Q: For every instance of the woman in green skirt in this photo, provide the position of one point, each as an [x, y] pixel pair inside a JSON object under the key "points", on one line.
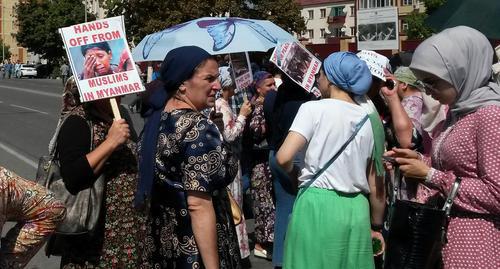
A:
{"points": [[340, 204]]}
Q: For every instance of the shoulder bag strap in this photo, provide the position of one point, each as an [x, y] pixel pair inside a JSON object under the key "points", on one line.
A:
{"points": [[53, 140], [451, 196], [53, 143], [353, 135]]}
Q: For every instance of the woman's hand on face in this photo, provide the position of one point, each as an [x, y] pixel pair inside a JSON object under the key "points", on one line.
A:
{"points": [[386, 91], [118, 133], [88, 67], [246, 108], [413, 168]]}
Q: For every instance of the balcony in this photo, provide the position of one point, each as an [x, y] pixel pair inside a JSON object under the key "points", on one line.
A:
{"points": [[336, 19]]}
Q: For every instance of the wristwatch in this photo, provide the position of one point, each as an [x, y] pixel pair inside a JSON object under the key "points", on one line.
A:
{"points": [[377, 227]]}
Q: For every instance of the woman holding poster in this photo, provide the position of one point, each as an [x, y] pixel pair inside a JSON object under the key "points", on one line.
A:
{"points": [[118, 238], [185, 168]]}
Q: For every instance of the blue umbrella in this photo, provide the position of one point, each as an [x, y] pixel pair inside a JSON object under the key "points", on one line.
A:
{"points": [[217, 35]]}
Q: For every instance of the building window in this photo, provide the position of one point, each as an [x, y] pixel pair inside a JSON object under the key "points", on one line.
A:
{"points": [[338, 11], [322, 32], [311, 14], [375, 3], [337, 32], [323, 13], [353, 31], [404, 27], [407, 2], [311, 33], [353, 11]]}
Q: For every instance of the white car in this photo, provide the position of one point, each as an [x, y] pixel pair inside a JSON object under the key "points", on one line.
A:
{"points": [[26, 70]]}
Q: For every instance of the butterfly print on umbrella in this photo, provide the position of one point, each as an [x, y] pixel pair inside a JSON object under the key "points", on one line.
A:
{"points": [[222, 31]]}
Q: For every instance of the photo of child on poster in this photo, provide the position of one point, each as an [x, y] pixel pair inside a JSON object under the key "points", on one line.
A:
{"points": [[101, 59]]}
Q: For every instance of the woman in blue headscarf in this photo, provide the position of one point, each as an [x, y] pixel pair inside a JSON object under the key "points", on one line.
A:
{"points": [[337, 201], [185, 168]]}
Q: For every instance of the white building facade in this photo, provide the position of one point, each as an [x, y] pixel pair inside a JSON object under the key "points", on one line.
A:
{"points": [[326, 19]]}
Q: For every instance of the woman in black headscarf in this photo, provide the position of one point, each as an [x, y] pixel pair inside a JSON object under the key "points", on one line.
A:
{"points": [[185, 168]]}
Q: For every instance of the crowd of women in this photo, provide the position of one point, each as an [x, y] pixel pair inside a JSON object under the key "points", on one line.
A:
{"points": [[317, 169]]}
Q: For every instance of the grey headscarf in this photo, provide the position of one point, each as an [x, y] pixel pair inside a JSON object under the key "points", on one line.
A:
{"points": [[461, 56]]}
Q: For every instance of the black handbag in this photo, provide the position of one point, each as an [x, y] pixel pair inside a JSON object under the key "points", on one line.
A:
{"points": [[83, 208], [417, 231]]}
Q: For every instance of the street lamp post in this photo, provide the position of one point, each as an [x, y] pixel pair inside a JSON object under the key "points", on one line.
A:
{"points": [[3, 35], [85, 7]]}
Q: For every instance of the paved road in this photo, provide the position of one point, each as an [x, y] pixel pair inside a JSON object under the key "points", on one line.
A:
{"points": [[29, 111]]}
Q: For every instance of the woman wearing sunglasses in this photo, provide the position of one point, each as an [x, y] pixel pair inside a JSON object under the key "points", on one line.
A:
{"points": [[454, 66]]}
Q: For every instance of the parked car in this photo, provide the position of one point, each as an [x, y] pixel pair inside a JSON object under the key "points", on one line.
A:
{"points": [[43, 70], [27, 70]]}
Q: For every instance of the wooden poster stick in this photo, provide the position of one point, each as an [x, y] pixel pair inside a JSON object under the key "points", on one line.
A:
{"points": [[114, 107]]}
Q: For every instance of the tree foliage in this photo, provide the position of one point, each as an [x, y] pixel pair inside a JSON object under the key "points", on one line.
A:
{"points": [[432, 5], [417, 29], [6, 51], [143, 17], [39, 20]]}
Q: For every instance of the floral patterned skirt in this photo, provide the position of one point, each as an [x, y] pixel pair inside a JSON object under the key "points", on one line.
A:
{"points": [[263, 205]]}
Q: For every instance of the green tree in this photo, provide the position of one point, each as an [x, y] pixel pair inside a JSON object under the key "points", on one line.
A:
{"points": [[143, 17], [39, 21], [417, 29], [6, 51]]}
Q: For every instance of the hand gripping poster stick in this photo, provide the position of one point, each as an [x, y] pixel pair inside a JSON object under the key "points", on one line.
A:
{"points": [[114, 107]]}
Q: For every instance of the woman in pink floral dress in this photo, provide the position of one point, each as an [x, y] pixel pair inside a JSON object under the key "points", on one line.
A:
{"points": [[455, 68], [232, 131]]}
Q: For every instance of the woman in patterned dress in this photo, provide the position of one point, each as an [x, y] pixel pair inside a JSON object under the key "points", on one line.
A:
{"points": [[117, 240], [261, 180], [185, 168], [232, 131], [455, 68], [37, 213]]}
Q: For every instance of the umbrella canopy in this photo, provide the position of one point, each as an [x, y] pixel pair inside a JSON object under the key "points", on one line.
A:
{"points": [[218, 35], [478, 14]]}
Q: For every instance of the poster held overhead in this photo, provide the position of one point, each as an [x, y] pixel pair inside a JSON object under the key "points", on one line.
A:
{"points": [[101, 60], [297, 63], [241, 72]]}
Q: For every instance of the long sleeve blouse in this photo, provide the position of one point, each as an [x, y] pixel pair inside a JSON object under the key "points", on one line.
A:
{"points": [[233, 125], [470, 149]]}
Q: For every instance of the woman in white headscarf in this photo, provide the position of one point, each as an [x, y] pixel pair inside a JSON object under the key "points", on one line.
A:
{"points": [[455, 68], [232, 131]]}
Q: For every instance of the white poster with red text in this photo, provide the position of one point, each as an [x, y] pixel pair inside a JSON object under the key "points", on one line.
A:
{"points": [[297, 62], [100, 59]]}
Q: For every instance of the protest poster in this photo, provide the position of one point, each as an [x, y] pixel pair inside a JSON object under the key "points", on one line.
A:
{"points": [[378, 28], [242, 72], [100, 59], [298, 63], [376, 62]]}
